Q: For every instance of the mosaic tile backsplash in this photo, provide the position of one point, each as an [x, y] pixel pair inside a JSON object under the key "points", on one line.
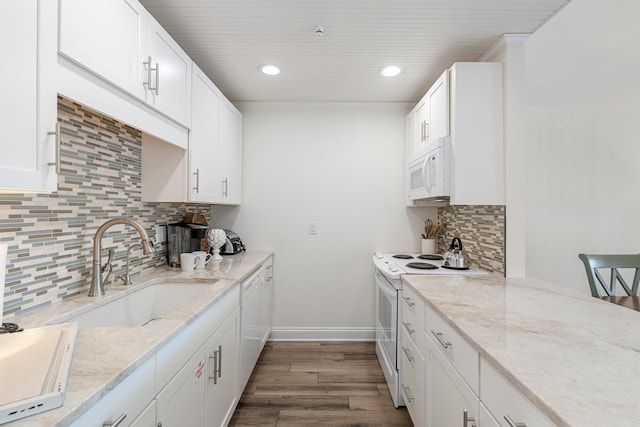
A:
{"points": [[482, 231], [50, 236]]}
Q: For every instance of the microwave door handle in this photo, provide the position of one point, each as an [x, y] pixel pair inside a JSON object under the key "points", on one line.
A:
{"points": [[426, 176]]}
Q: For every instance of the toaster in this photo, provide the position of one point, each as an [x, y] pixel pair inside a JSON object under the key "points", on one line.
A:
{"points": [[233, 245]]}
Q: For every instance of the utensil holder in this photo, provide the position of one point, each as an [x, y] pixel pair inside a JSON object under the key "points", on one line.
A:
{"points": [[428, 246]]}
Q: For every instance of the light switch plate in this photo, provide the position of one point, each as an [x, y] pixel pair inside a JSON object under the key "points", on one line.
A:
{"points": [[161, 233], [313, 227]]}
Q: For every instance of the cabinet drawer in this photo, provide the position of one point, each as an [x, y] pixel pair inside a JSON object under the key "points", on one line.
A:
{"points": [[414, 304], [412, 390], [455, 348], [412, 357], [502, 399]]}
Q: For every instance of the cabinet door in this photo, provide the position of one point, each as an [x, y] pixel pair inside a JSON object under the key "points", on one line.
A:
{"points": [[181, 401], [147, 418], [168, 75], [438, 100], [204, 139], [231, 154], [448, 396], [421, 123], [267, 295], [28, 111], [109, 38], [222, 373]]}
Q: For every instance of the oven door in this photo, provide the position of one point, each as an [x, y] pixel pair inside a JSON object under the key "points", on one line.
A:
{"points": [[387, 335]]}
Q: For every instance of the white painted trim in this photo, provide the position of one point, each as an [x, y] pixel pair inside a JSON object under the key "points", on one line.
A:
{"points": [[322, 334], [507, 40]]}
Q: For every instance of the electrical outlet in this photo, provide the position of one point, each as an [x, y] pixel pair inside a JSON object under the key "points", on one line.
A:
{"points": [[161, 233], [313, 227]]}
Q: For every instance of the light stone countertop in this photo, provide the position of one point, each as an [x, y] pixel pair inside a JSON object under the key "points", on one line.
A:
{"points": [[574, 356], [104, 357]]}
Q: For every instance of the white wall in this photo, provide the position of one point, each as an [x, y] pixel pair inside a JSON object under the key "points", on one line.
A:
{"points": [[341, 165], [583, 147]]}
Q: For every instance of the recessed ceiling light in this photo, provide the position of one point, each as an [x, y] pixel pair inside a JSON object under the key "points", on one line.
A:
{"points": [[391, 71], [270, 70]]}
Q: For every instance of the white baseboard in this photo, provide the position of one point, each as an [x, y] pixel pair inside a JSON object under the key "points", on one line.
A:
{"points": [[322, 334]]}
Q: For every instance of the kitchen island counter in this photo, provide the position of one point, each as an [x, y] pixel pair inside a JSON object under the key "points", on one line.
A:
{"points": [[577, 358], [105, 356]]}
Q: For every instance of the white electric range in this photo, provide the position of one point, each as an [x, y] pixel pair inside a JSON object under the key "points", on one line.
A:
{"points": [[389, 270]]}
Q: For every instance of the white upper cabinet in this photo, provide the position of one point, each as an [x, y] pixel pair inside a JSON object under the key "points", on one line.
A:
{"points": [[120, 42], [230, 165], [204, 140], [430, 117], [168, 69], [477, 147], [107, 37], [28, 106], [466, 104]]}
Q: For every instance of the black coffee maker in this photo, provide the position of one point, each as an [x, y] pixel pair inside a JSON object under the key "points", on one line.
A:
{"points": [[181, 238]]}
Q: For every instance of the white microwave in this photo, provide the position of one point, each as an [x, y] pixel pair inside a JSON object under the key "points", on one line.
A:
{"points": [[429, 172]]}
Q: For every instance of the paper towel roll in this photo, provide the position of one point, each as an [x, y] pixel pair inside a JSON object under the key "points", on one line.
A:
{"points": [[3, 267]]}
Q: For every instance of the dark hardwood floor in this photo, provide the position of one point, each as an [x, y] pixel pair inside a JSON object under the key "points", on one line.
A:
{"points": [[318, 383]]}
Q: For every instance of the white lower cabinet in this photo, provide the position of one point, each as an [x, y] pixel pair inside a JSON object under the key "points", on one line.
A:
{"points": [[181, 401], [221, 394], [450, 401], [507, 405]]}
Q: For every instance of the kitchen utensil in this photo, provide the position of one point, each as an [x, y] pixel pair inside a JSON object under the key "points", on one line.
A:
{"points": [[428, 226]]}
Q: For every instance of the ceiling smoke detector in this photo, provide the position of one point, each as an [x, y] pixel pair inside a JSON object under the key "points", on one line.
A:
{"points": [[319, 31]]}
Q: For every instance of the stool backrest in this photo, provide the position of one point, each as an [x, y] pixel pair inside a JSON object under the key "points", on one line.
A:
{"points": [[593, 263]]}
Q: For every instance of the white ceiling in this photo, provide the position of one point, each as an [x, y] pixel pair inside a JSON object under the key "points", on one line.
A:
{"points": [[229, 39]]}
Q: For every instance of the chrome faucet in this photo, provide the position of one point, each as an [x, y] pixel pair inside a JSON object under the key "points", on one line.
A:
{"points": [[101, 274]]}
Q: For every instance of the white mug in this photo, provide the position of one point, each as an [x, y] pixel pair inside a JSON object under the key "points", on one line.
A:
{"points": [[189, 261], [204, 259]]}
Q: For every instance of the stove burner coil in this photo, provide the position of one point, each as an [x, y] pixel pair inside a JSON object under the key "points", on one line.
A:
{"points": [[402, 256], [422, 265], [431, 257], [9, 328]]}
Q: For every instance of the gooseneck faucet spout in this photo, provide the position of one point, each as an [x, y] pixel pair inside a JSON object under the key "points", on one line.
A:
{"points": [[101, 274]]}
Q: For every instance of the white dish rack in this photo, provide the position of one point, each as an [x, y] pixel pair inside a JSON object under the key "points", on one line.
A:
{"points": [[34, 368]]}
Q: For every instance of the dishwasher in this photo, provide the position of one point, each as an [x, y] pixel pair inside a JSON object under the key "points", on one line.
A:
{"points": [[250, 326]]}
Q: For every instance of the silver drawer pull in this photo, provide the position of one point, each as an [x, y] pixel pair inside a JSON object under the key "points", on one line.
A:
{"points": [[409, 397], [407, 353], [466, 419], [407, 326], [115, 423], [511, 423], [408, 301], [56, 162], [442, 342]]}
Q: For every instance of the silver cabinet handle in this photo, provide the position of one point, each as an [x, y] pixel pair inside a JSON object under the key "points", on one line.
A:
{"points": [[511, 423], [442, 342], [225, 192], [149, 71], [466, 419], [407, 353], [197, 175], [426, 130], [407, 326], [115, 423], [219, 361], [214, 375], [406, 391], [408, 301], [56, 133]]}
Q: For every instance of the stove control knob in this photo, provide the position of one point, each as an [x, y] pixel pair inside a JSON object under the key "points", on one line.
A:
{"points": [[393, 268], [379, 255]]}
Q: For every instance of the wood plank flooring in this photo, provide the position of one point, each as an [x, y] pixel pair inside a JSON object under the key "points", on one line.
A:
{"points": [[318, 384]]}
